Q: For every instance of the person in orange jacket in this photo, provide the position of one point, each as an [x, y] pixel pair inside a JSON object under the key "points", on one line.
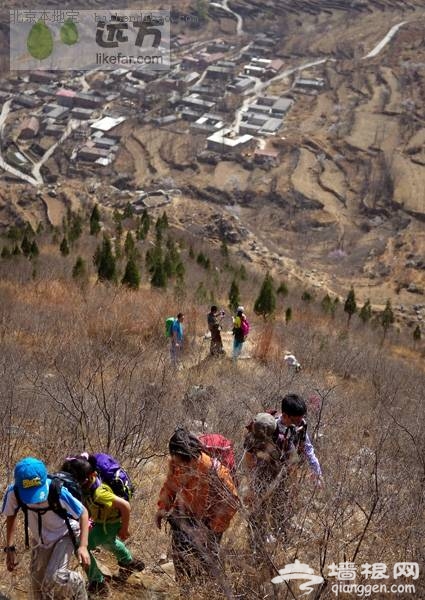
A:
{"points": [[198, 499]]}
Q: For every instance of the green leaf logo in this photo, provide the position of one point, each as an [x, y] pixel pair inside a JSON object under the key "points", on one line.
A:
{"points": [[69, 33], [40, 41]]}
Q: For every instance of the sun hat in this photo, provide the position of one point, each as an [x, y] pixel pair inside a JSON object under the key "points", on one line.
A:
{"points": [[31, 480], [264, 423]]}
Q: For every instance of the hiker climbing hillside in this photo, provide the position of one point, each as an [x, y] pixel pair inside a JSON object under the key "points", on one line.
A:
{"points": [[58, 524], [177, 335], [274, 448], [214, 321], [198, 499], [294, 440], [240, 331], [110, 514]]}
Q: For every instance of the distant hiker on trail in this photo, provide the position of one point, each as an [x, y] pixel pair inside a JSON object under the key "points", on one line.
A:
{"points": [[177, 334], [240, 331], [110, 515], [214, 319], [198, 499], [292, 361], [51, 543]]}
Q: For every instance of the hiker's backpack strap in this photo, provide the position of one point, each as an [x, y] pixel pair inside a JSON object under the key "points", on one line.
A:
{"points": [[53, 499], [25, 508]]}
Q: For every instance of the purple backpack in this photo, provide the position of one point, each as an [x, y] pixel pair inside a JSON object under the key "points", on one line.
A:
{"points": [[244, 327], [112, 473]]}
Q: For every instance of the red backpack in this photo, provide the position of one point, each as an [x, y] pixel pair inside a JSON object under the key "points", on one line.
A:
{"points": [[219, 447]]}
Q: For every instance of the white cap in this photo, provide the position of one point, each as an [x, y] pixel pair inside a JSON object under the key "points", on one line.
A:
{"points": [[240, 308]]}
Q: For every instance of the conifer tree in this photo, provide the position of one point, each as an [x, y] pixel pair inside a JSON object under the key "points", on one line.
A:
{"points": [[5, 252], [159, 277], [128, 211], [75, 227], [201, 293], [95, 220], [365, 313], [34, 252], [107, 267], [79, 268], [306, 296], [417, 334], [131, 276], [387, 317], [288, 314], [326, 304], [282, 290], [191, 252], [16, 250], [224, 249], [64, 247], [129, 245], [234, 296], [164, 220], [242, 273], [350, 306], [26, 246], [265, 305], [117, 218], [144, 227]]}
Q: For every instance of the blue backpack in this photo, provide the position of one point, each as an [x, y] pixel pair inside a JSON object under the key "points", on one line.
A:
{"points": [[112, 473]]}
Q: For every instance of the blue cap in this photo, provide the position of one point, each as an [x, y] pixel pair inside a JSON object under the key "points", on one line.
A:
{"points": [[31, 480]]}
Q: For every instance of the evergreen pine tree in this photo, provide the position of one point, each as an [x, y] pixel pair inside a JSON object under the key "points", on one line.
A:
{"points": [[129, 245], [34, 252], [95, 220], [128, 211], [26, 246], [288, 314], [79, 268], [201, 294], [107, 268], [164, 220], [234, 296], [131, 276], [326, 304], [75, 227], [145, 223], [387, 317], [365, 313], [117, 218], [64, 247], [191, 252], [16, 250], [306, 296], [282, 290], [224, 249], [265, 304], [159, 277], [5, 252], [350, 306], [417, 334], [242, 273], [180, 270]]}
